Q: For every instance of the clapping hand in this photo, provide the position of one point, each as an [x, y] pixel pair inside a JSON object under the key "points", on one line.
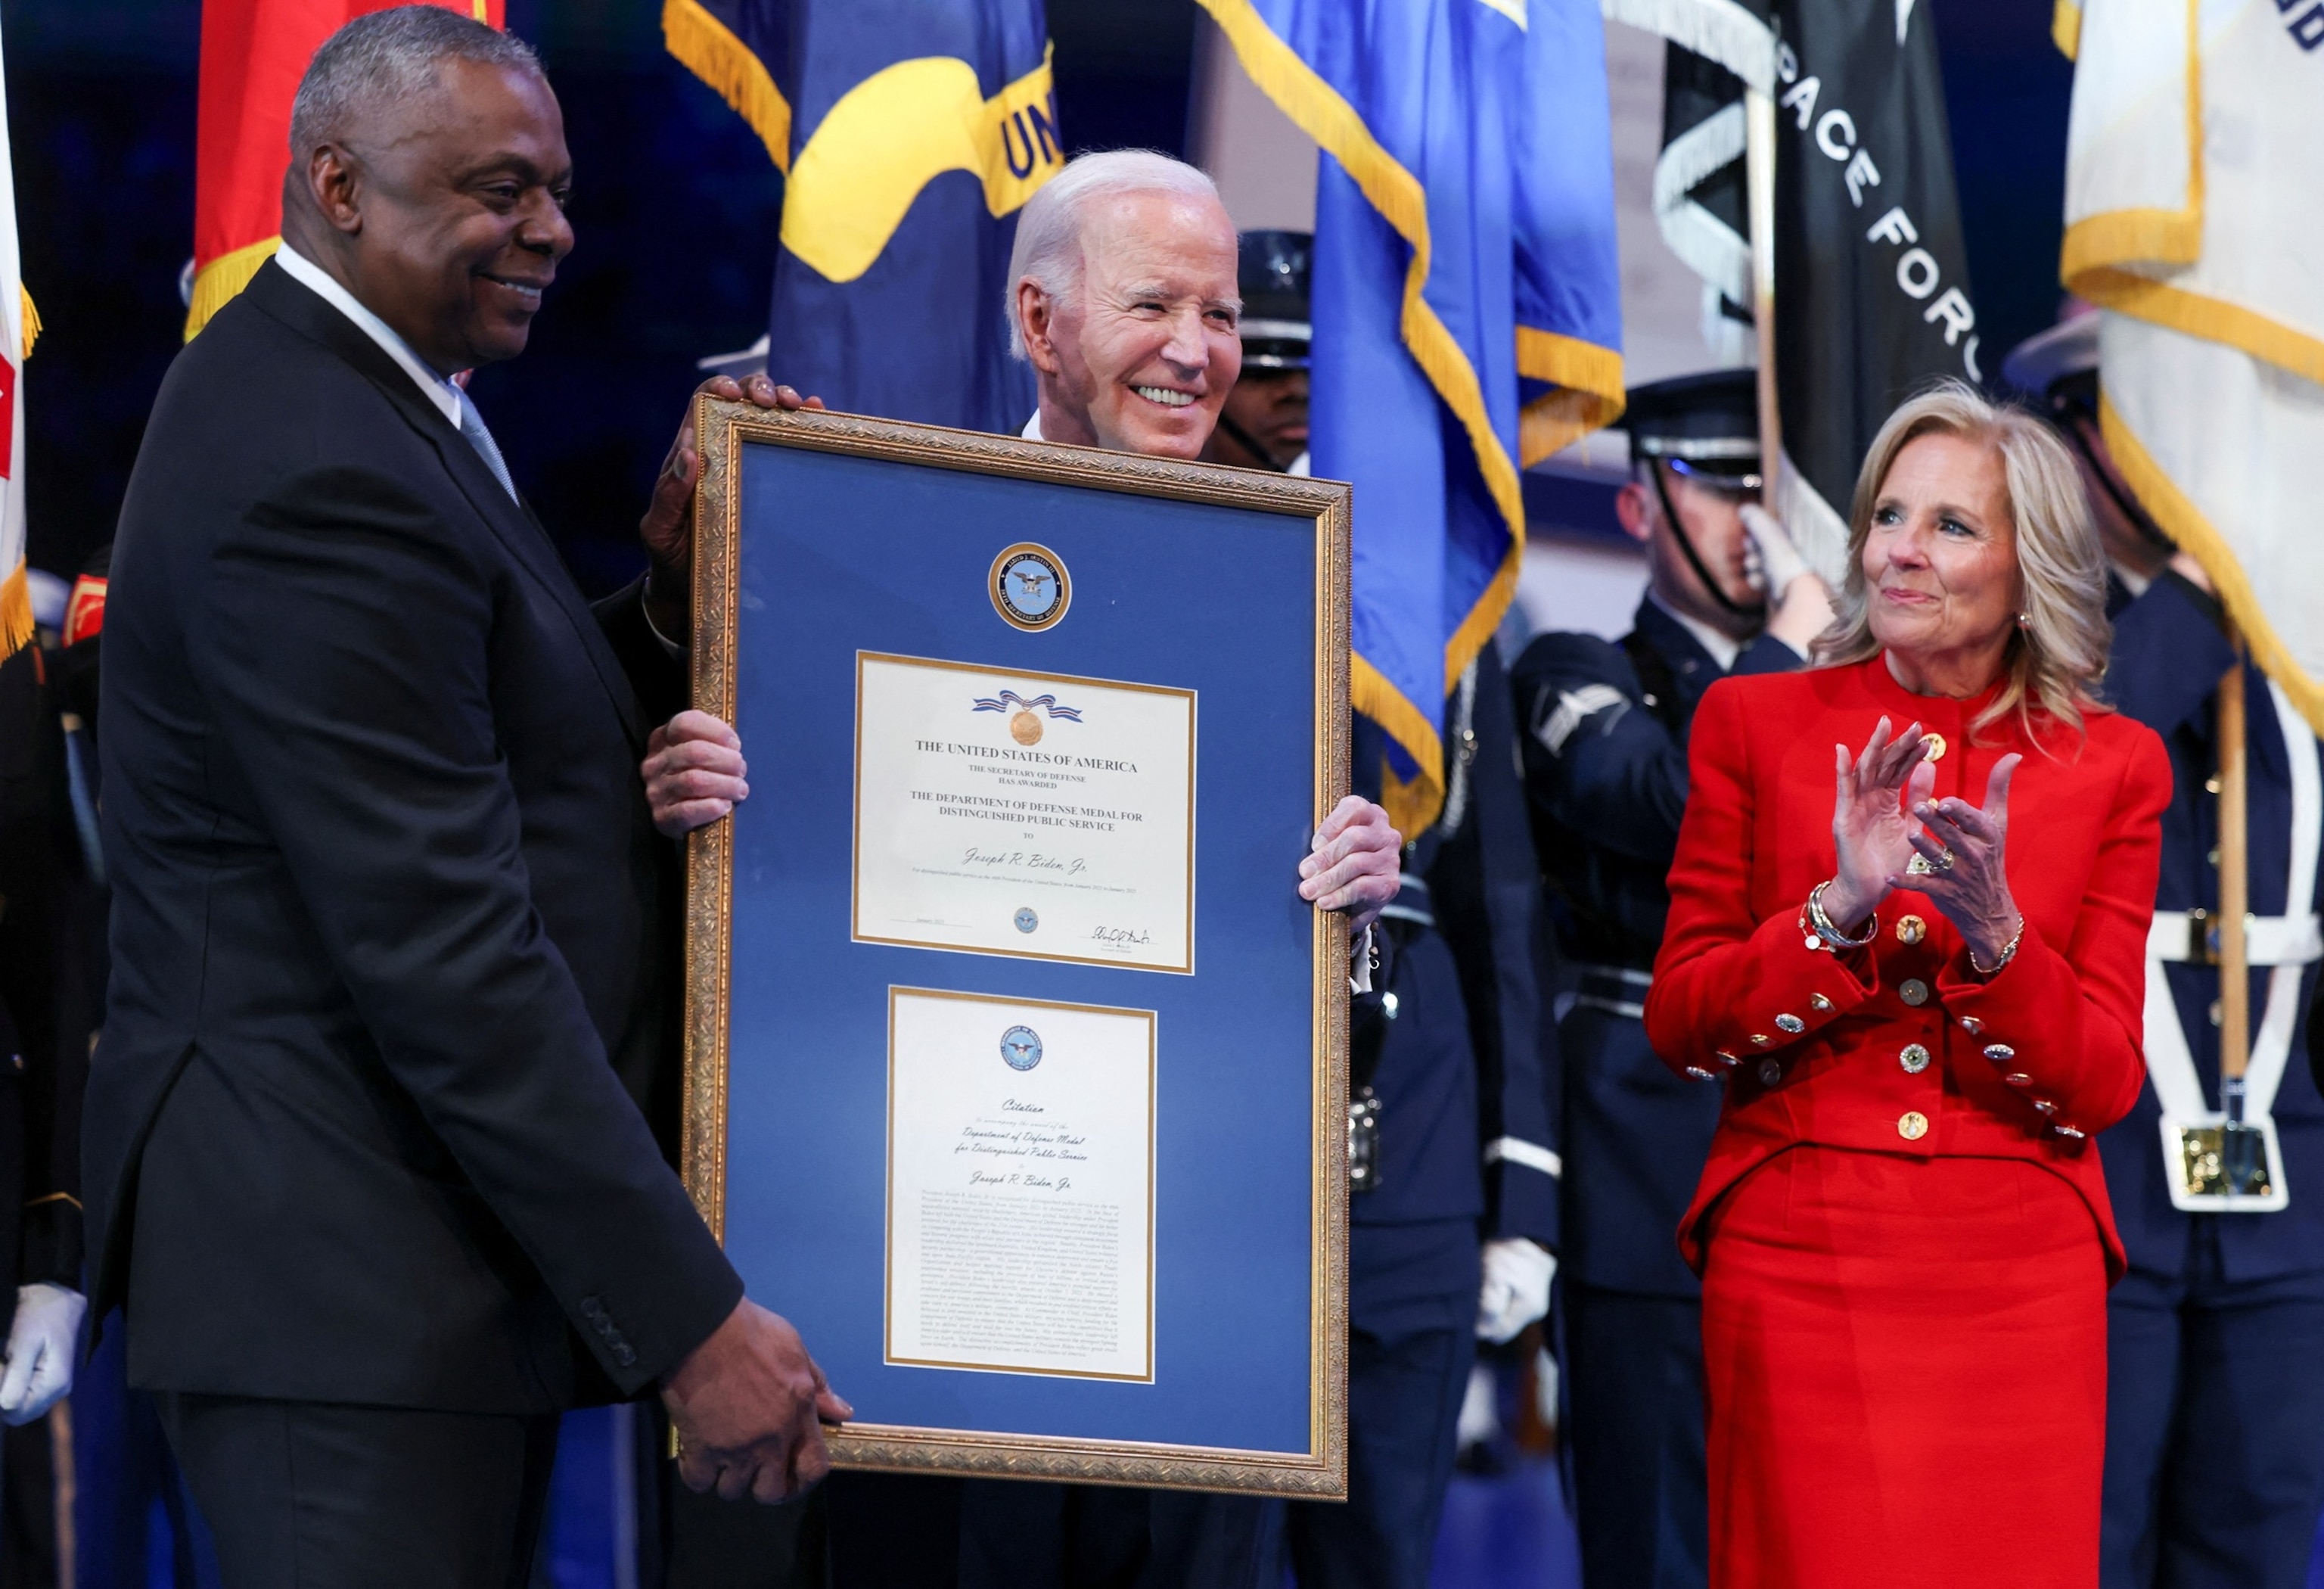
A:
{"points": [[1966, 850], [1869, 827]]}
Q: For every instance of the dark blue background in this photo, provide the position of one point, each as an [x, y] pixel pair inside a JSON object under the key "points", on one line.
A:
{"points": [[675, 209], [839, 553]]}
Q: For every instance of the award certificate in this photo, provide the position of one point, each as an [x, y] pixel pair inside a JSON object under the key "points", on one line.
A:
{"points": [[1020, 1179], [1010, 813], [1049, 1194]]}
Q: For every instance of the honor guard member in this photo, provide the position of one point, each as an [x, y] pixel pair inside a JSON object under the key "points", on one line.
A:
{"points": [[1264, 424], [1604, 736], [1124, 297], [2215, 1389], [1450, 1170]]}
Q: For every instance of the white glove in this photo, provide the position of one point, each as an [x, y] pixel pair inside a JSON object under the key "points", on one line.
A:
{"points": [[43, 1346], [1771, 561], [1516, 1288]]}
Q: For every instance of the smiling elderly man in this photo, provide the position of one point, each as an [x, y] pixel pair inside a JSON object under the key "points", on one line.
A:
{"points": [[1124, 300], [367, 1163]]}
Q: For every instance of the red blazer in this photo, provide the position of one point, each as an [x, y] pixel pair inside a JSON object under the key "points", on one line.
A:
{"points": [[1899, 1047]]}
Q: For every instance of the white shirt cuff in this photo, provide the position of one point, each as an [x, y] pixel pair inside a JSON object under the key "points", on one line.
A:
{"points": [[676, 651], [1360, 962]]}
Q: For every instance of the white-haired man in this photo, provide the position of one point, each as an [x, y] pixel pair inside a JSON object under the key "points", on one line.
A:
{"points": [[1124, 300]]}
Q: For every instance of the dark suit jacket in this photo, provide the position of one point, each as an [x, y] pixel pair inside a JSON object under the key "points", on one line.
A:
{"points": [[366, 1122]]}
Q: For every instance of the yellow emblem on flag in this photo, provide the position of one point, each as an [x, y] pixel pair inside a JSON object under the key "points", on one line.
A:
{"points": [[897, 131]]}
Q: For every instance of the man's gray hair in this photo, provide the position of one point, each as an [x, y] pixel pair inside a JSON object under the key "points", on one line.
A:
{"points": [[387, 59], [1048, 251]]}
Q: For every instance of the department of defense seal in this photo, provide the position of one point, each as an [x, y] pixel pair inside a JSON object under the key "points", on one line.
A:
{"points": [[1029, 586], [1021, 1046], [1025, 920]]}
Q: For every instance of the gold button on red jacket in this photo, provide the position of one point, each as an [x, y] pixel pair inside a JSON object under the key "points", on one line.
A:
{"points": [[1816, 1045]]}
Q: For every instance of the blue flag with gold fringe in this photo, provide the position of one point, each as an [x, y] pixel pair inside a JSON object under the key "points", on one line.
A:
{"points": [[908, 133], [1467, 308]]}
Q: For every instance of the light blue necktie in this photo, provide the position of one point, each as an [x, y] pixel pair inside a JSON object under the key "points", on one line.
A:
{"points": [[472, 426]]}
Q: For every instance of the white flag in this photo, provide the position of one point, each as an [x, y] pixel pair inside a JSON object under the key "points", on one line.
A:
{"points": [[2195, 217], [16, 321]]}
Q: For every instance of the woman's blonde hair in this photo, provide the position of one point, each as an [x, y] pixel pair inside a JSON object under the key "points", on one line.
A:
{"points": [[2058, 655]]}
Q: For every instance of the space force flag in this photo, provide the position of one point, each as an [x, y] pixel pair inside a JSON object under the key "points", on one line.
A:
{"points": [[18, 327], [909, 133], [2195, 221], [1872, 294], [253, 53], [1466, 307]]}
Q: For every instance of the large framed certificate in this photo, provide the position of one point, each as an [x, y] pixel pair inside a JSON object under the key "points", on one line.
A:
{"points": [[1016, 1069]]}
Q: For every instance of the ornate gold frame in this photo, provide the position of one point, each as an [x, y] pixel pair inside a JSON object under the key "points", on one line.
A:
{"points": [[720, 429]]}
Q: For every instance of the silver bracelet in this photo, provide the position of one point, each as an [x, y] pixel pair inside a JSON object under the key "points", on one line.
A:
{"points": [[1831, 935]]}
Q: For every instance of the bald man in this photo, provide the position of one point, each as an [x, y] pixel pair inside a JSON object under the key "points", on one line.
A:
{"points": [[367, 1157]]}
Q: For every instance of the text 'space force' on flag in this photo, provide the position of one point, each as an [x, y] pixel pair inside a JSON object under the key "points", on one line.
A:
{"points": [[253, 53], [908, 133], [1872, 293], [2195, 221], [1466, 309]]}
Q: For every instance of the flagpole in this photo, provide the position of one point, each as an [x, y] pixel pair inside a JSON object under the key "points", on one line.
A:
{"points": [[1759, 178], [2234, 893]]}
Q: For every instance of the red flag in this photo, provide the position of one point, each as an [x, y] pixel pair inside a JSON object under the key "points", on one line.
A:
{"points": [[253, 53]]}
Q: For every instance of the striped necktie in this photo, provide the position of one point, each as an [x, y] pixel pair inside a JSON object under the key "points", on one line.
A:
{"points": [[472, 426]]}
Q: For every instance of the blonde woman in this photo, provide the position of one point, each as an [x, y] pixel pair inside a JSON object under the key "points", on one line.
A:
{"points": [[1907, 930]]}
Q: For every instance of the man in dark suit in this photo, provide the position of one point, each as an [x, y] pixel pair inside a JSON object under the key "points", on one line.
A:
{"points": [[367, 1157]]}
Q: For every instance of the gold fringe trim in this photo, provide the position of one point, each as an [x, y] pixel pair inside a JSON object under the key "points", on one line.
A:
{"points": [[2122, 236], [1319, 111], [2196, 535], [32, 319], [2163, 236], [1592, 398], [15, 611], [709, 49], [2066, 28], [2213, 320], [217, 283], [1411, 807]]}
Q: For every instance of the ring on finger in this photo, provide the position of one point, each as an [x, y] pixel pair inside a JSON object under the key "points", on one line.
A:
{"points": [[1920, 866]]}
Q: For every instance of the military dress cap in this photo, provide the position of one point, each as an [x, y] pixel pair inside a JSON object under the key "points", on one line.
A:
{"points": [[1272, 274], [1708, 421], [2049, 359]]}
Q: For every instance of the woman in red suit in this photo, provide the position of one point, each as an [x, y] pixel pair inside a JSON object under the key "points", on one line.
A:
{"points": [[1919, 967]]}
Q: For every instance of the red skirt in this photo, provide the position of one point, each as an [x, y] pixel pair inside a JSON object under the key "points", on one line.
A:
{"points": [[1906, 1364]]}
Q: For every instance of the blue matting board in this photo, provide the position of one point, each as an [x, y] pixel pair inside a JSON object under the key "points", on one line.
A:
{"points": [[839, 553]]}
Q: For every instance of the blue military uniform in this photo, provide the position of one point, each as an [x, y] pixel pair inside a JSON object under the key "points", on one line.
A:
{"points": [[1603, 727], [1605, 766], [2215, 1417], [1463, 1152]]}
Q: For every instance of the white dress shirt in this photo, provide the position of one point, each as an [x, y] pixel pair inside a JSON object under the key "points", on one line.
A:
{"points": [[447, 397], [1359, 949]]}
